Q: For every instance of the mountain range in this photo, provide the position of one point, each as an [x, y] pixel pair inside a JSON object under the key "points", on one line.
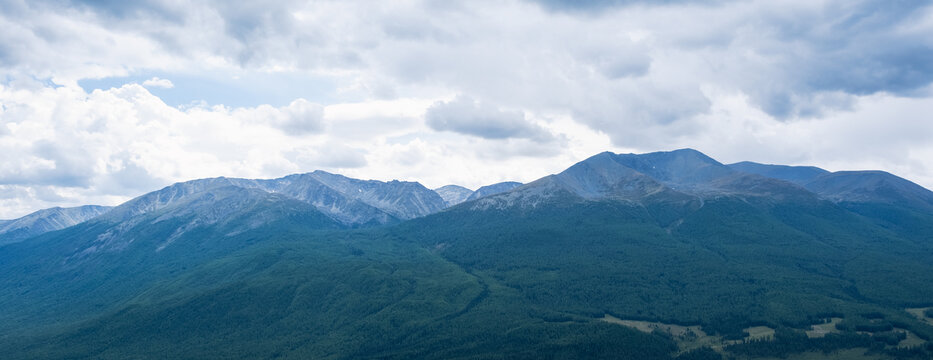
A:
{"points": [[349, 202], [324, 266], [46, 220]]}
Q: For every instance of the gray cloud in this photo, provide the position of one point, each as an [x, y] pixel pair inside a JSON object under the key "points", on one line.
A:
{"points": [[117, 9], [129, 177], [302, 117], [785, 56], [597, 5], [48, 163], [470, 117], [328, 156], [856, 48]]}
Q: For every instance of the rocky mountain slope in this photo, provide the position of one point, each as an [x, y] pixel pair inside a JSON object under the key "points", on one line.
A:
{"points": [[349, 201], [46, 220], [453, 194]]}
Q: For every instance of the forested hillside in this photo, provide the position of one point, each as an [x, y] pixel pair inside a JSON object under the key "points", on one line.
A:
{"points": [[671, 255]]}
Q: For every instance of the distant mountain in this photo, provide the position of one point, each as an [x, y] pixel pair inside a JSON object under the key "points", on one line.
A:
{"points": [[196, 206], [493, 189], [604, 176], [146, 239], [848, 186], [46, 220], [598, 177], [401, 199], [349, 201], [288, 268], [800, 175], [684, 168], [453, 194], [188, 223], [871, 187], [683, 176], [691, 172]]}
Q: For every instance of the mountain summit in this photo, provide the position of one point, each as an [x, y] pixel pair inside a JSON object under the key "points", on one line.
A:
{"points": [[46, 220], [349, 201], [453, 194]]}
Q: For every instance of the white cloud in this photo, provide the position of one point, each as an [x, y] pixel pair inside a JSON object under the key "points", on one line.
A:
{"points": [[158, 83], [300, 117]]}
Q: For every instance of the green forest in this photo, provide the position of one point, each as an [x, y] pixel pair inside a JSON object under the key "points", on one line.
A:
{"points": [[496, 283]]}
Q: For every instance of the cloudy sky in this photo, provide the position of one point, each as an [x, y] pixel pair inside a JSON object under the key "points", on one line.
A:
{"points": [[101, 101]]}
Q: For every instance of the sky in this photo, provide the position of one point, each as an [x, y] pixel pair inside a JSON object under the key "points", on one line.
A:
{"points": [[102, 101]]}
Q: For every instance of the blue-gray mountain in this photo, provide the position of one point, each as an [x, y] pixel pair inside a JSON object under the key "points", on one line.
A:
{"points": [[795, 174], [348, 201], [46, 220], [322, 266], [890, 201], [453, 194], [493, 189], [848, 186], [685, 176]]}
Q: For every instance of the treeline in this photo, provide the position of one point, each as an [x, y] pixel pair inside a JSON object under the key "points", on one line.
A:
{"points": [[703, 353], [914, 352], [872, 324], [790, 341]]}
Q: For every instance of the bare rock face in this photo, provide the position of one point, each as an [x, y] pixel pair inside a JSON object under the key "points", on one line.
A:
{"points": [[349, 201], [46, 220], [453, 194]]}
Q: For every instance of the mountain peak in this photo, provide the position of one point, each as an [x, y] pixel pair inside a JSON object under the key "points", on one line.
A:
{"points": [[46, 220], [453, 194], [603, 175], [350, 201], [687, 151], [684, 168]]}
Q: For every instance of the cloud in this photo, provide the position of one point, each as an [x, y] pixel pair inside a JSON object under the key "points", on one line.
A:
{"points": [[606, 58], [329, 156], [300, 117], [601, 5], [158, 83], [470, 117]]}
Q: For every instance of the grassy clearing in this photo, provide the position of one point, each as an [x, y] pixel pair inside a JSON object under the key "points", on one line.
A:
{"points": [[911, 340], [687, 337], [920, 314], [759, 332], [649, 326], [691, 337], [820, 330], [754, 333]]}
